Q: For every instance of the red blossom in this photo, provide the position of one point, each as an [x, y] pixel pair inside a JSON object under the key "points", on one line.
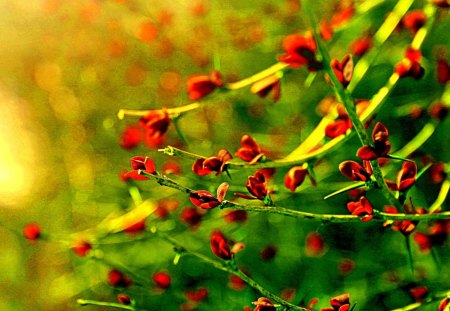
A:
{"points": [[414, 20], [360, 46], [203, 199], [300, 51], [339, 303], [344, 12], [257, 185], [419, 293], [337, 128], [326, 30], [236, 283], [198, 86], [438, 110], [205, 166], [81, 248], [437, 172], [191, 216], [343, 70], [250, 150], [407, 176], [196, 295], [381, 146], [406, 227], [131, 137], [219, 246], [124, 299], [362, 208], [155, 123], [409, 65], [161, 279], [314, 245], [295, 177], [355, 171], [423, 241], [118, 279], [139, 163], [263, 87], [237, 216], [264, 304], [442, 71], [32, 231]]}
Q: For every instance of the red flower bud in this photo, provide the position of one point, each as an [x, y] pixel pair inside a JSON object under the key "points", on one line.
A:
{"points": [[155, 123], [337, 128], [354, 171], [442, 71], [118, 279], [191, 216], [341, 302], [237, 216], [203, 199], [161, 279], [295, 177], [196, 295], [32, 231], [314, 245], [438, 110], [236, 283], [419, 293], [257, 185], [343, 70], [140, 163], [423, 241], [131, 137], [407, 176], [81, 248], [362, 208], [219, 246], [360, 46], [124, 299], [300, 51], [212, 164], [414, 20], [326, 30], [250, 151], [198, 86], [381, 147]]}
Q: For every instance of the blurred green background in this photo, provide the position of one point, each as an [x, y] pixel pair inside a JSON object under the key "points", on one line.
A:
{"points": [[67, 67]]}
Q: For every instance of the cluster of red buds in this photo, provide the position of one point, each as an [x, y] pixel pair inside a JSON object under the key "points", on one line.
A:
{"points": [[381, 145], [343, 123]]}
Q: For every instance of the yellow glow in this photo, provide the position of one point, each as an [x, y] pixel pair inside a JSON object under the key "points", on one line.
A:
{"points": [[16, 155]]}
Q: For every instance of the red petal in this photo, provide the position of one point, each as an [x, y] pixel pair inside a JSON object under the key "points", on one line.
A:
{"points": [[366, 153]]}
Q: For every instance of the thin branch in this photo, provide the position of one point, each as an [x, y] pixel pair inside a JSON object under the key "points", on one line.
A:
{"points": [[378, 215], [229, 266]]}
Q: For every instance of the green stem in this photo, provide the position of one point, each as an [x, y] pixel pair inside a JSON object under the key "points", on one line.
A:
{"points": [[86, 302], [224, 266], [350, 187], [172, 151], [409, 255], [179, 132], [349, 105], [415, 143], [173, 112], [379, 38], [378, 216]]}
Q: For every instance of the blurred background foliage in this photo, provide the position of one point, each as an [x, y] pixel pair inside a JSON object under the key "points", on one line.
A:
{"points": [[67, 67]]}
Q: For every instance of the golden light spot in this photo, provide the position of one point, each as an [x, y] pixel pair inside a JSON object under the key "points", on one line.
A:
{"points": [[170, 81], [47, 76]]}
